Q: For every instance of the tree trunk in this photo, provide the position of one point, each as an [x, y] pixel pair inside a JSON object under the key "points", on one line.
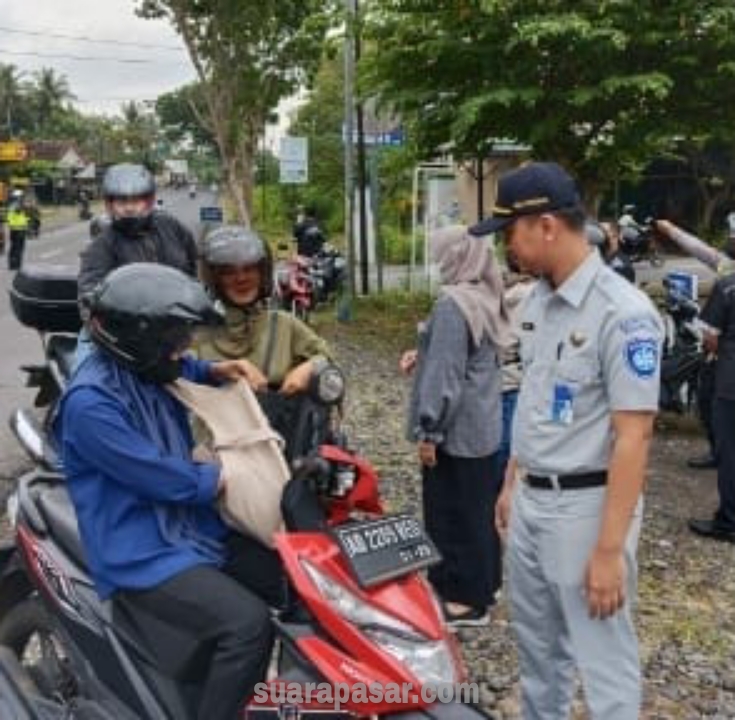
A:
{"points": [[711, 204], [237, 190]]}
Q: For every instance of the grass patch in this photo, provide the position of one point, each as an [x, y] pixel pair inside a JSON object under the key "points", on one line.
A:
{"points": [[387, 321]]}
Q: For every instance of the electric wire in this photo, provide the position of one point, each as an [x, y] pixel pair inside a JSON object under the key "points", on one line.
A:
{"points": [[88, 39]]}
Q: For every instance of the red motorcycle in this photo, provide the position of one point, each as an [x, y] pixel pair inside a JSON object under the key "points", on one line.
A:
{"points": [[294, 287], [361, 617]]}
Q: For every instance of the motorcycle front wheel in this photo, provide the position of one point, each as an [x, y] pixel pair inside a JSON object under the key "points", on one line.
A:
{"points": [[30, 632]]}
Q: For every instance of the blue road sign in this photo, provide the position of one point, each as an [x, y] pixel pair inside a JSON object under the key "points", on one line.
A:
{"points": [[210, 214]]}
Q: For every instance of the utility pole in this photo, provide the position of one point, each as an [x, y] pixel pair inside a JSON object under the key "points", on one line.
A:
{"points": [[362, 170], [349, 158]]}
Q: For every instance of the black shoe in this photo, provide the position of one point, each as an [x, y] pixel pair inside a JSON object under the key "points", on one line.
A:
{"points": [[472, 617], [702, 462], [713, 529]]}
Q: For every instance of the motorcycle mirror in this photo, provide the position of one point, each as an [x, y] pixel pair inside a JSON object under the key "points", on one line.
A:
{"points": [[327, 385]]}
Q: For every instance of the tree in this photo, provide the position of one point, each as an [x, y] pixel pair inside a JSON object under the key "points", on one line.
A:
{"points": [[179, 114], [49, 94], [140, 132], [320, 119], [602, 86], [248, 55], [11, 99]]}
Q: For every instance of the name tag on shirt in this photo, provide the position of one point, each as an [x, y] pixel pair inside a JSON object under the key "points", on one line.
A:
{"points": [[562, 407]]}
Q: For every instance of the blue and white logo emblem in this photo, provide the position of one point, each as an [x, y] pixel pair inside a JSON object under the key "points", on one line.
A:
{"points": [[641, 355]]}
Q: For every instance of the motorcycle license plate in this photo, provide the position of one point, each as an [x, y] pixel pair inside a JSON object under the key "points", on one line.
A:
{"points": [[386, 548]]}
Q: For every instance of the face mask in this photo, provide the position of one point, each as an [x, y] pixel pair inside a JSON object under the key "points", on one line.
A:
{"points": [[132, 226], [162, 373]]}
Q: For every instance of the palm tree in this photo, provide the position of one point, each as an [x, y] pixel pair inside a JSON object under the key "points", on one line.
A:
{"points": [[11, 97], [51, 91], [139, 130]]}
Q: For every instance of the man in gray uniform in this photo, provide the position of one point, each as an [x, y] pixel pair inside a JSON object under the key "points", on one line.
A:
{"points": [[571, 503]]}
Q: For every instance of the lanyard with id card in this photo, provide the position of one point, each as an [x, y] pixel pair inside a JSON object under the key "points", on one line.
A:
{"points": [[562, 407]]}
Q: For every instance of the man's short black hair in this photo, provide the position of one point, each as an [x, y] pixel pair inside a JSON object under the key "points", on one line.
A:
{"points": [[574, 217]]}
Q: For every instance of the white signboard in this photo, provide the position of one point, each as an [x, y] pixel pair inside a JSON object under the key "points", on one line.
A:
{"points": [[294, 160]]}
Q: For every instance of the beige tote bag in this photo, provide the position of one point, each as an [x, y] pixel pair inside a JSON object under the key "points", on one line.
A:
{"points": [[249, 451]]}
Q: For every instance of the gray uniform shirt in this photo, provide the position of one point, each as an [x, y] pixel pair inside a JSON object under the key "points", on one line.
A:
{"points": [[455, 401], [590, 347]]}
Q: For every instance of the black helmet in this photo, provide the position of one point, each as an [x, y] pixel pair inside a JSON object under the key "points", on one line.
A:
{"points": [[237, 245], [126, 181], [143, 313]]}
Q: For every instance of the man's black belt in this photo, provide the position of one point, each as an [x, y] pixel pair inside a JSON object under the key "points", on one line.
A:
{"points": [[568, 482]]}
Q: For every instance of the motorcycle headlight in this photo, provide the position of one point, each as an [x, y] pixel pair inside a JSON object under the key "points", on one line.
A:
{"points": [[351, 607], [430, 661], [329, 385]]}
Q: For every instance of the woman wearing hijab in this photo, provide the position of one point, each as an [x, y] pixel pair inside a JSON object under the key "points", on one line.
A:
{"points": [[455, 419]]}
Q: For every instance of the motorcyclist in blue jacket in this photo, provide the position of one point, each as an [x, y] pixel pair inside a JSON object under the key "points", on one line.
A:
{"points": [[147, 512]]}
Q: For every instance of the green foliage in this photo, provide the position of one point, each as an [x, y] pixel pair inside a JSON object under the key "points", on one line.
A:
{"points": [[180, 114], [320, 120], [387, 321], [397, 246], [601, 86], [271, 214], [248, 54]]}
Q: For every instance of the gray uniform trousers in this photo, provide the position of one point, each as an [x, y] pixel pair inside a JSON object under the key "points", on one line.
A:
{"points": [[551, 537]]}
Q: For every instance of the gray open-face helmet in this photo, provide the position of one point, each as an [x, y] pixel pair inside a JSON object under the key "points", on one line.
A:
{"points": [[237, 246], [128, 181]]}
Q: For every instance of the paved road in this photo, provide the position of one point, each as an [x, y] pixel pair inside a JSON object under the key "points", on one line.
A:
{"points": [[22, 345]]}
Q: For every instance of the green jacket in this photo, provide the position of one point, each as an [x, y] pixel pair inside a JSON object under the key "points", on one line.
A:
{"points": [[247, 335]]}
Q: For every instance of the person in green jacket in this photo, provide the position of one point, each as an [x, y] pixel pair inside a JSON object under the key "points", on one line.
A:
{"points": [[282, 352], [237, 267]]}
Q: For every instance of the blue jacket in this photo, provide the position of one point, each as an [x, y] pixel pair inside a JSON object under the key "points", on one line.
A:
{"points": [[146, 511]]}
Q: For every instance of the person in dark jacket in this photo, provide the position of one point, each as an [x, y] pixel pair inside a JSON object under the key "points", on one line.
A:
{"points": [[455, 420], [308, 235], [153, 539], [136, 231]]}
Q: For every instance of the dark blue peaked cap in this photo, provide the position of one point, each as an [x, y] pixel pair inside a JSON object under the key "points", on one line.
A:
{"points": [[531, 189]]}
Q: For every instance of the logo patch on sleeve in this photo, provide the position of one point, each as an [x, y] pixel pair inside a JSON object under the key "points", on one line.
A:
{"points": [[641, 355]]}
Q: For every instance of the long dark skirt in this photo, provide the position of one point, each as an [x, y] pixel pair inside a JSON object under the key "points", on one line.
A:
{"points": [[459, 507]]}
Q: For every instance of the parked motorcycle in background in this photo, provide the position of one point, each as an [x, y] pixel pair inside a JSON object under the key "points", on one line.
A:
{"points": [[328, 270], [683, 354], [638, 240], [294, 287]]}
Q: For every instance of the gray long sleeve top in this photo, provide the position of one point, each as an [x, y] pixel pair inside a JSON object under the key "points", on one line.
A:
{"points": [[456, 397]]}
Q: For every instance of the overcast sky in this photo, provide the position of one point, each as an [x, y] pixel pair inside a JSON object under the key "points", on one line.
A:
{"points": [[30, 29], [100, 85]]}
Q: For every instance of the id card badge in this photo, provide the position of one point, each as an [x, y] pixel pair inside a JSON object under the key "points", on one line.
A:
{"points": [[562, 408]]}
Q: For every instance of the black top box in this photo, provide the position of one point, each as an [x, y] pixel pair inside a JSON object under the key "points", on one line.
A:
{"points": [[45, 298]]}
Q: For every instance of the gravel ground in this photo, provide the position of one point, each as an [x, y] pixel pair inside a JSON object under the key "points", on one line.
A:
{"points": [[686, 617]]}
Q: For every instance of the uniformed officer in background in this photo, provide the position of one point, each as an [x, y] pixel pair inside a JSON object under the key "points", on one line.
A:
{"points": [[17, 219], [718, 316], [571, 504]]}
